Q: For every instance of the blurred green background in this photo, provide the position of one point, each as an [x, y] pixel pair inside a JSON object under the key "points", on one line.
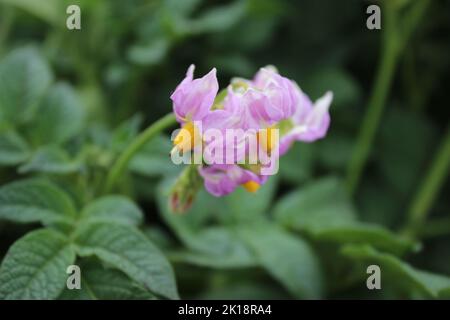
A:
{"points": [[130, 55]]}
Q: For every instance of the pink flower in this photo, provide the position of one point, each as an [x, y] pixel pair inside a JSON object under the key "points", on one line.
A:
{"points": [[193, 98], [310, 121], [255, 109], [263, 101], [281, 91], [221, 180]]}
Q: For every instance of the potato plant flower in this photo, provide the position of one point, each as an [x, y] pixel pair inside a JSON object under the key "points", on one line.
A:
{"points": [[258, 107]]}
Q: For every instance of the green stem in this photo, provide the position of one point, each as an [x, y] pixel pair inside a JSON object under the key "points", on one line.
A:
{"points": [[395, 38], [122, 162], [435, 228], [429, 189], [6, 22], [376, 104]]}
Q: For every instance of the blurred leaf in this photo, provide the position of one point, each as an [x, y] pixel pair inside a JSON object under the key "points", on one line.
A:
{"points": [[321, 203], [28, 201], [219, 18], [49, 10], [125, 132], [334, 152], [201, 213], [297, 165], [345, 89], [24, 78], [50, 160], [372, 234], [217, 247], [445, 293], [100, 283], [214, 246], [289, 259], [13, 149], [379, 207], [128, 250], [159, 236], [59, 118], [242, 206], [233, 64], [256, 29], [248, 290], [323, 211], [113, 208], [401, 274], [150, 53], [406, 140], [184, 7], [35, 266], [153, 160]]}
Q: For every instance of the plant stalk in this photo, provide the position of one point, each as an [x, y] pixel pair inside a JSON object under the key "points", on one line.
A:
{"points": [[122, 162], [396, 34], [377, 101], [430, 187]]}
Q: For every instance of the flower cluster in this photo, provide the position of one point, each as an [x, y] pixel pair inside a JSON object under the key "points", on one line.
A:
{"points": [[267, 103]]}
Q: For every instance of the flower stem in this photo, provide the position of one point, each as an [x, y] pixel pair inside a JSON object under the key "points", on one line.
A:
{"points": [[429, 189], [377, 102], [396, 33], [6, 22], [122, 162], [435, 228]]}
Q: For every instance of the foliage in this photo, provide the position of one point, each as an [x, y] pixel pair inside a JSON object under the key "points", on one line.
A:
{"points": [[71, 102]]}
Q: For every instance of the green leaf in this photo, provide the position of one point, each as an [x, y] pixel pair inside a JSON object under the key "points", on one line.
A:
{"points": [[241, 206], [101, 283], [382, 208], [220, 18], [51, 160], [405, 143], [127, 249], [321, 203], [289, 259], [125, 132], [297, 165], [35, 201], [445, 293], [113, 208], [372, 234], [400, 274], [48, 10], [203, 210], [13, 149], [60, 116], [323, 211], [183, 8], [244, 289], [35, 266], [24, 78], [150, 53], [346, 90], [234, 260], [216, 247], [213, 246], [153, 159], [335, 151]]}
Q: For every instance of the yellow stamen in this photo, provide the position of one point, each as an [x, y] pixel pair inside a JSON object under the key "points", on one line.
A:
{"points": [[251, 186], [266, 139], [187, 137]]}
